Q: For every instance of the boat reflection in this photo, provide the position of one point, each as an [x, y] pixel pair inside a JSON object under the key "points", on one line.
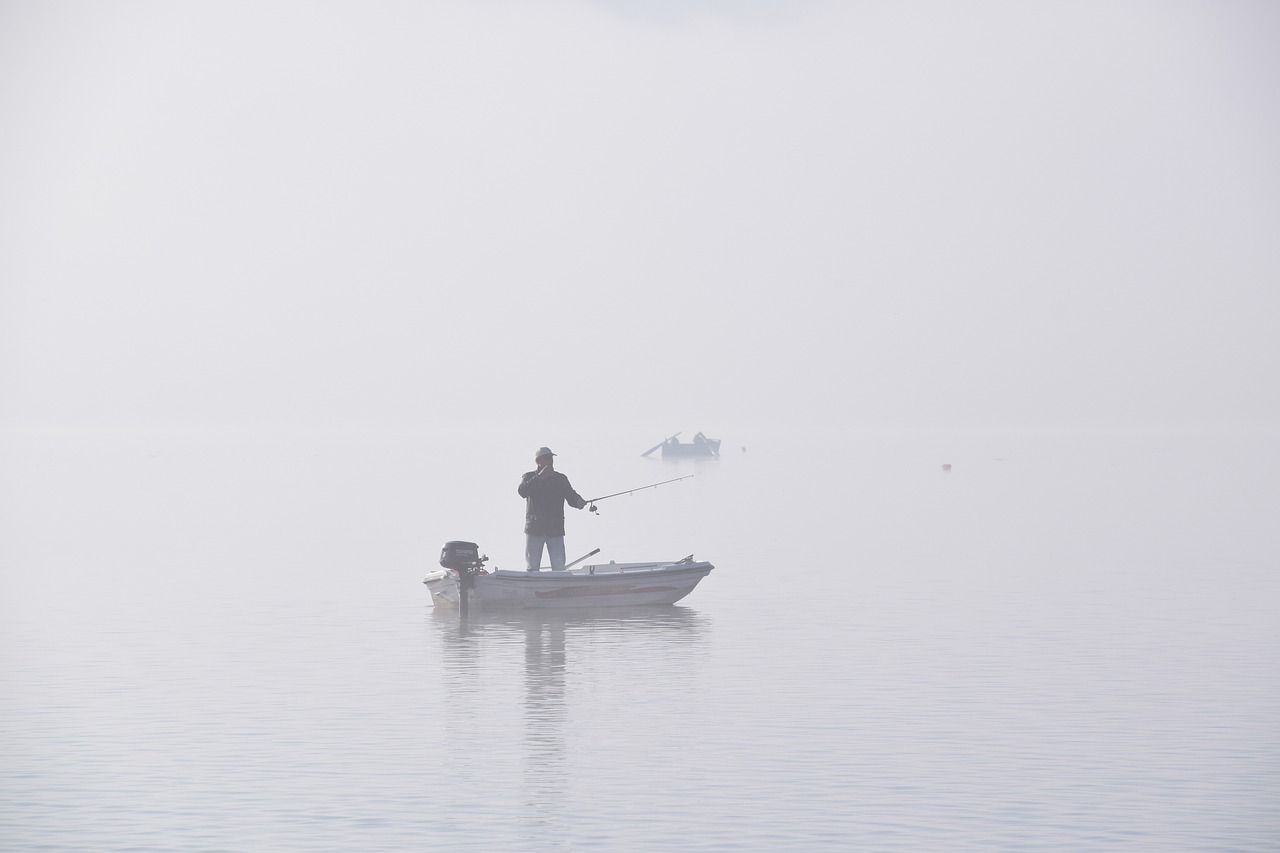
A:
{"points": [[656, 622], [561, 653]]}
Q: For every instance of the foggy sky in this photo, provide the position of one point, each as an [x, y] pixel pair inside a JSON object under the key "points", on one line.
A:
{"points": [[696, 215]]}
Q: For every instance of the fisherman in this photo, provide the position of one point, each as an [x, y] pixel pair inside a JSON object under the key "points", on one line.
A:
{"points": [[546, 491]]}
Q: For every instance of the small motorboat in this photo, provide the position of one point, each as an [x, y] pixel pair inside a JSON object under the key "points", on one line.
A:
{"points": [[609, 584], [700, 447]]}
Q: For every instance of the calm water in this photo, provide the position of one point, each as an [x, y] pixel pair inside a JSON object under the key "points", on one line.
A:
{"points": [[221, 642]]}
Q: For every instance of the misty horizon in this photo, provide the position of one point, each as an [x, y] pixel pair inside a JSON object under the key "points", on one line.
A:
{"points": [[811, 213]]}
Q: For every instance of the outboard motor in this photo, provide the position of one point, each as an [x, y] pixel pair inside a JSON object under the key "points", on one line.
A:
{"points": [[461, 555], [464, 558]]}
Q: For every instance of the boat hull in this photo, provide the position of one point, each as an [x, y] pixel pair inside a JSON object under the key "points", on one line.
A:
{"points": [[708, 450], [608, 585]]}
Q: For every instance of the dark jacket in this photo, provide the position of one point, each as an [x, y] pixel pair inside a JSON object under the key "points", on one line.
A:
{"points": [[545, 498]]}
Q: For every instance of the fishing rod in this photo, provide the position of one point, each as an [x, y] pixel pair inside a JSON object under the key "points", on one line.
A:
{"points": [[592, 502]]}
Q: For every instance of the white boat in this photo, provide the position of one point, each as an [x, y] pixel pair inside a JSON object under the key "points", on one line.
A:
{"points": [[604, 585]]}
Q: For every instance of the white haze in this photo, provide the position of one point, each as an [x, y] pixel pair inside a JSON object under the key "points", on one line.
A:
{"points": [[289, 214], [290, 292]]}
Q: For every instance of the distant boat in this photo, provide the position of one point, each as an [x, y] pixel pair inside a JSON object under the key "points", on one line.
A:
{"points": [[701, 446], [605, 585]]}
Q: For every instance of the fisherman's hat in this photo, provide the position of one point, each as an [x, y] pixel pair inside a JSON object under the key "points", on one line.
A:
{"points": [[543, 451]]}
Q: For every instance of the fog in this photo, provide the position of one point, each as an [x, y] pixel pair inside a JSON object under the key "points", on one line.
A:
{"points": [[706, 215], [291, 291]]}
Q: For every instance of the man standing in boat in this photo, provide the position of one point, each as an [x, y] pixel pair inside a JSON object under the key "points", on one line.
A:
{"points": [[546, 491]]}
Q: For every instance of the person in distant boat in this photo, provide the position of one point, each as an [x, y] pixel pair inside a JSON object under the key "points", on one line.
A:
{"points": [[545, 492]]}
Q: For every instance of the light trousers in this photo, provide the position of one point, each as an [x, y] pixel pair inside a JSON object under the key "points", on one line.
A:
{"points": [[533, 551]]}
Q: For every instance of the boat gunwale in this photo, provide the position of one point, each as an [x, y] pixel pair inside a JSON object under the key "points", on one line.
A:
{"points": [[615, 571]]}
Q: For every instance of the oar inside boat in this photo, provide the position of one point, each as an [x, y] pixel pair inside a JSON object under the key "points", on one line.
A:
{"points": [[580, 559], [659, 444]]}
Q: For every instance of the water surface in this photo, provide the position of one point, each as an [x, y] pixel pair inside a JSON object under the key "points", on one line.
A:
{"points": [[1067, 641]]}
